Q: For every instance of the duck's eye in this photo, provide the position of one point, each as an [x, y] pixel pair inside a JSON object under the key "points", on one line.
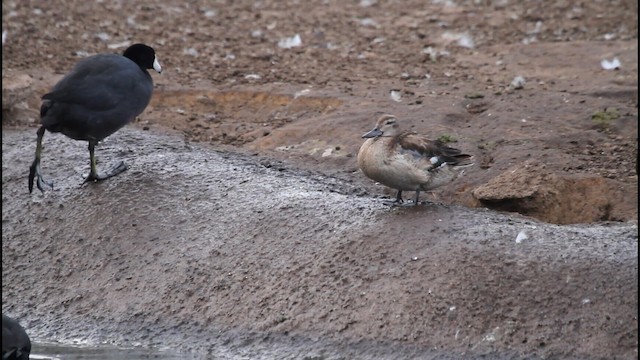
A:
{"points": [[390, 122]]}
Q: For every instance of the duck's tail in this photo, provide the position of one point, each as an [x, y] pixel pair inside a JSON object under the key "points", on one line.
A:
{"points": [[462, 160], [452, 160]]}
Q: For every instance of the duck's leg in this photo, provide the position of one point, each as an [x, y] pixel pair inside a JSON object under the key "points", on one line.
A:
{"points": [[415, 200], [34, 170], [93, 175], [399, 197], [397, 201]]}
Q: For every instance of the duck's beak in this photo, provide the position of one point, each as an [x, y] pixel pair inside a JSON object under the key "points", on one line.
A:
{"points": [[372, 134]]}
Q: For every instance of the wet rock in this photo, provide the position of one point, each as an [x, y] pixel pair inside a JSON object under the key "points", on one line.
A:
{"points": [[17, 89], [522, 181], [533, 190]]}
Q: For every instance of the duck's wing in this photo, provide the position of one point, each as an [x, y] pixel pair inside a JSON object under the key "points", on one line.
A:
{"points": [[433, 152]]}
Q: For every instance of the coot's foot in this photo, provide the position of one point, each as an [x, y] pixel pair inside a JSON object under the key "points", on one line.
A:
{"points": [[34, 174], [94, 176]]}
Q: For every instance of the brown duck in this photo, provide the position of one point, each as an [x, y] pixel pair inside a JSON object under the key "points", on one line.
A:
{"points": [[406, 160]]}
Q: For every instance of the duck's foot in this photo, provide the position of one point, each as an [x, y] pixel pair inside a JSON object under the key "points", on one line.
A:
{"points": [[398, 203], [414, 202], [404, 204], [393, 203], [94, 176]]}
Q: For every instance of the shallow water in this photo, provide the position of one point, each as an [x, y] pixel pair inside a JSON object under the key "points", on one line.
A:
{"points": [[57, 351]]}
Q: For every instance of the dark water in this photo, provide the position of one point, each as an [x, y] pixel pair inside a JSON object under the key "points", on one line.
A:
{"points": [[55, 351]]}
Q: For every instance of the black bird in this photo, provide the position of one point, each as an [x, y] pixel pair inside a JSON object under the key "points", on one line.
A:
{"points": [[99, 96], [15, 341]]}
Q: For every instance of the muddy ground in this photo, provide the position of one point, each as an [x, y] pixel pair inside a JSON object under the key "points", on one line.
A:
{"points": [[244, 228]]}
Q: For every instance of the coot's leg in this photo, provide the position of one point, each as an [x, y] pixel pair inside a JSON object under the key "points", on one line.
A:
{"points": [[34, 170], [93, 175]]}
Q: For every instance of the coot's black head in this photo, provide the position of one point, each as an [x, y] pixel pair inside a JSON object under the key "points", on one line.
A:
{"points": [[144, 56]]}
